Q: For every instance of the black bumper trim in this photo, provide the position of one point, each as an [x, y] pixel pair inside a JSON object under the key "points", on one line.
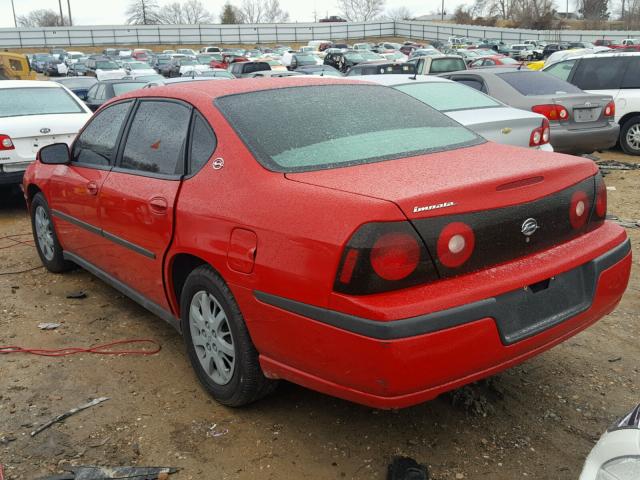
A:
{"points": [[497, 308]]}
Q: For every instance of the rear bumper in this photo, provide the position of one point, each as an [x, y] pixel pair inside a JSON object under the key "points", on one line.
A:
{"points": [[586, 140], [12, 178], [399, 363]]}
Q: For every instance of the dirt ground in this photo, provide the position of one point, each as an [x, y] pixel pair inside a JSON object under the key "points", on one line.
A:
{"points": [[538, 420]]}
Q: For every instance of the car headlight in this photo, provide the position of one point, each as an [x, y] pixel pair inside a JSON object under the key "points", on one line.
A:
{"points": [[623, 468]]}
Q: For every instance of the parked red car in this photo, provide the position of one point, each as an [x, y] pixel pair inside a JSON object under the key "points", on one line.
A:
{"points": [[494, 61], [382, 272], [227, 60]]}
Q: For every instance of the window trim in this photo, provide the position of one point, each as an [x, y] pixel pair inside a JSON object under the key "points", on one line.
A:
{"points": [[116, 147], [117, 167], [192, 125]]}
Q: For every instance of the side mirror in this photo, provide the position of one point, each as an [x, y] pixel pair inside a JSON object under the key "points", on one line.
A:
{"points": [[55, 154]]}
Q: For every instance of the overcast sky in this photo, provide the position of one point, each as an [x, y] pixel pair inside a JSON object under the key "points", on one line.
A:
{"points": [[101, 12]]}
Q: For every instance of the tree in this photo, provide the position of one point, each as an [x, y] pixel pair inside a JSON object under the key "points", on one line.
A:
{"points": [[143, 12], [230, 15], [361, 10], [262, 11], [399, 13], [192, 12], [462, 15], [172, 14], [41, 18], [594, 9]]}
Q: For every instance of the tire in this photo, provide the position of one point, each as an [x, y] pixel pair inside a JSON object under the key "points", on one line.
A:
{"points": [[45, 237], [223, 355], [630, 136]]}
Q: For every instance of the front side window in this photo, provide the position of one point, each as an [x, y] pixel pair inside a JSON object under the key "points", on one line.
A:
{"points": [[20, 102], [333, 126], [95, 145], [600, 73], [448, 96], [156, 139]]}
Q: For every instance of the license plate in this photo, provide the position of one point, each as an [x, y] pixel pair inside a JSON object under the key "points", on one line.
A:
{"points": [[585, 114]]}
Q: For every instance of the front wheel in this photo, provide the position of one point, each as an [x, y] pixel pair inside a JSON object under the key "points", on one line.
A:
{"points": [[630, 136], [218, 342], [45, 237]]}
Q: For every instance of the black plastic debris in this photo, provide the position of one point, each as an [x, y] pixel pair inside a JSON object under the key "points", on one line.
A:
{"points": [[406, 468], [108, 473], [77, 295]]}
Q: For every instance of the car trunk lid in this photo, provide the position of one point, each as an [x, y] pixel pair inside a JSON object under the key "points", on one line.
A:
{"points": [[585, 111]]}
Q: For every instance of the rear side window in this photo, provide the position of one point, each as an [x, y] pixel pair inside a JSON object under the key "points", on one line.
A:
{"points": [[95, 144], [203, 144], [537, 83], [600, 73], [156, 139], [632, 75], [448, 96], [443, 65], [333, 126], [561, 70]]}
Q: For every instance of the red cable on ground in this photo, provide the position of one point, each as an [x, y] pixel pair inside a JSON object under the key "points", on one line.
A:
{"points": [[98, 349]]}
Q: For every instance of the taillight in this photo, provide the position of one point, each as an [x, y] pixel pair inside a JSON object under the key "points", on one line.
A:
{"points": [[610, 110], [384, 256], [601, 198], [552, 112], [579, 209], [455, 244], [6, 143], [541, 135]]}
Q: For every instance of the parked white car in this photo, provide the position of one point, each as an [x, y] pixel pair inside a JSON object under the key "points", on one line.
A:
{"points": [[73, 57], [34, 114], [616, 456], [138, 69], [210, 49], [610, 73], [481, 113]]}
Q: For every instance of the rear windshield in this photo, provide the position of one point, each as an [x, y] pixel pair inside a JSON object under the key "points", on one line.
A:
{"points": [[122, 88], [333, 126], [537, 83], [443, 65], [106, 66], [19, 102], [445, 96]]}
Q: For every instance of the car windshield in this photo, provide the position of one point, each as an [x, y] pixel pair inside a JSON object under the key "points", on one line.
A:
{"points": [[205, 59], [448, 96], [443, 65], [537, 83], [77, 82], [354, 57], [107, 65], [217, 74], [332, 126], [138, 66], [18, 102], [42, 57], [367, 55], [306, 58], [122, 88]]}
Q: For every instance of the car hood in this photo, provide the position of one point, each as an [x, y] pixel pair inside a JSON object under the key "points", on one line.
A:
{"points": [[463, 180]]}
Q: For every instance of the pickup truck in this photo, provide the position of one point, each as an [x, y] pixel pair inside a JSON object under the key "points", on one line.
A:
{"points": [[436, 64], [627, 44]]}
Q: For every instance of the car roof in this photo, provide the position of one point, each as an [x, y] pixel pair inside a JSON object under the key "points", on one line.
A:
{"points": [[611, 54], [29, 84], [120, 80], [399, 79], [492, 71]]}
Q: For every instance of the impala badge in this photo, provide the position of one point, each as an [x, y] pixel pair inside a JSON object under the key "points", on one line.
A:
{"points": [[529, 227], [45, 130]]}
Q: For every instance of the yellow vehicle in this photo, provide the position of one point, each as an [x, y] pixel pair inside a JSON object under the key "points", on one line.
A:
{"points": [[536, 65], [14, 66]]}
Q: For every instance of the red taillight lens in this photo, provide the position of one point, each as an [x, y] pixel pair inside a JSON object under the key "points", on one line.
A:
{"points": [[546, 132], [552, 112], [455, 244], [540, 135], [579, 209], [6, 143], [601, 197], [610, 110], [395, 256], [536, 138]]}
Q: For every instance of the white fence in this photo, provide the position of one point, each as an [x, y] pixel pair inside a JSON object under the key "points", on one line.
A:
{"points": [[277, 33]]}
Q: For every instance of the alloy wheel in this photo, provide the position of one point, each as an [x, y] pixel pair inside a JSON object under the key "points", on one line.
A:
{"points": [[44, 233]]}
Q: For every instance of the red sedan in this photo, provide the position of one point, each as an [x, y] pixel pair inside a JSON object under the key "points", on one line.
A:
{"points": [[374, 250], [227, 60], [495, 61]]}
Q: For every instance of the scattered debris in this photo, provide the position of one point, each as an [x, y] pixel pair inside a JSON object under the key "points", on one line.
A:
{"points": [[216, 433], [612, 189], [48, 326], [65, 415], [7, 440], [406, 468], [616, 359], [77, 295], [1, 472], [624, 222], [106, 473], [616, 165]]}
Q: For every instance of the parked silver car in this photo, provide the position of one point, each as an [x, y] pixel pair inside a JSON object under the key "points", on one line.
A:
{"points": [[580, 122], [478, 112]]}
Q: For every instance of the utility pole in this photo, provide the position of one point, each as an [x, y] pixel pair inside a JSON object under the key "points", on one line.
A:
{"points": [[69, 7], [442, 12], [13, 8], [144, 13], [61, 15]]}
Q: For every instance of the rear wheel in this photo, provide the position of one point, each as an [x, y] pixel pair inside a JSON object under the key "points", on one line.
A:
{"points": [[630, 136], [45, 237], [218, 342]]}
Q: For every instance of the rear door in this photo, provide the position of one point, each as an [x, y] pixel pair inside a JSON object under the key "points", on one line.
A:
{"points": [[73, 189], [138, 197]]}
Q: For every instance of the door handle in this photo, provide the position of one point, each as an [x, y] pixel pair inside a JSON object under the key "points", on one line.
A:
{"points": [[92, 188], [158, 205]]}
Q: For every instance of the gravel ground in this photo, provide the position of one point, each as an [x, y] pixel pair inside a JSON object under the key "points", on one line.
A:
{"points": [[538, 420]]}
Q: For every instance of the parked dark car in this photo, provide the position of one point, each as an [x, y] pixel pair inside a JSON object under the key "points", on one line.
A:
{"points": [[580, 122], [245, 69], [382, 68], [77, 69], [39, 60], [50, 68], [343, 61], [602, 42], [322, 70], [78, 85], [552, 48], [107, 89], [302, 60]]}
